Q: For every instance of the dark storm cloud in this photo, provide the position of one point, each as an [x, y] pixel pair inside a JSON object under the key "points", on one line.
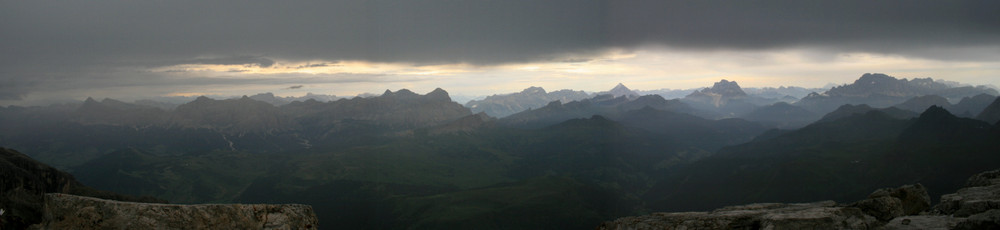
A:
{"points": [[478, 31], [874, 26], [57, 40]]}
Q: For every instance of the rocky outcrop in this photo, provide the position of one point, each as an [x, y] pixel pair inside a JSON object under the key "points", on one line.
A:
{"points": [[23, 181], [818, 215], [37, 195], [977, 206], [981, 194], [64, 211], [886, 204]]}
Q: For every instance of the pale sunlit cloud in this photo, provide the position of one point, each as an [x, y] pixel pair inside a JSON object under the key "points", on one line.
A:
{"points": [[646, 68]]}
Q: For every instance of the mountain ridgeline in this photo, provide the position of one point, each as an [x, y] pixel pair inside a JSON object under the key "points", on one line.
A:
{"points": [[528, 160]]}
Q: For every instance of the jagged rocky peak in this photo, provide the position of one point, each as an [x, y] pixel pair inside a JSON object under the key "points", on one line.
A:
{"points": [[403, 93], [874, 79], [621, 90], [533, 90], [439, 94], [727, 89]]}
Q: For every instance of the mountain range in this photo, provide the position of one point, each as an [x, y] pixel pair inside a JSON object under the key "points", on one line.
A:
{"points": [[405, 160], [532, 97]]}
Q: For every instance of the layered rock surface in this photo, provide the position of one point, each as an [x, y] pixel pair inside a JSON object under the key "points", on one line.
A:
{"points": [[64, 211], [818, 215], [977, 206]]}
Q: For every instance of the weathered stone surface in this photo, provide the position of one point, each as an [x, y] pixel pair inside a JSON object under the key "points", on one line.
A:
{"points": [[981, 194], [986, 220], [64, 211], [888, 203], [883, 208], [819, 215], [984, 179], [889, 208], [921, 222], [914, 197]]}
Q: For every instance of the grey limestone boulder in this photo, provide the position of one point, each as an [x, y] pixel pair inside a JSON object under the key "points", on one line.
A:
{"points": [[981, 194]]}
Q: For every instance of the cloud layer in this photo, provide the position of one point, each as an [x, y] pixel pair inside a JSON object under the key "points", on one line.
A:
{"points": [[47, 42]]}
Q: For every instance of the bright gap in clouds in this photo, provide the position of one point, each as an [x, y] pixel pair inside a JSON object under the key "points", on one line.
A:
{"points": [[647, 69]]}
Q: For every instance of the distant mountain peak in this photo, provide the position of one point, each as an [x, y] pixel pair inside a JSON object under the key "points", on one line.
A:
{"points": [[727, 89], [533, 90], [621, 90], [202, 99], [439, 94], [936, 112], [404, 92], [874, 78]]}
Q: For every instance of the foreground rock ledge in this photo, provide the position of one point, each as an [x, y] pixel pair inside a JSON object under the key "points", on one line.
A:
{"points": [[64, 211], [977, 206]]}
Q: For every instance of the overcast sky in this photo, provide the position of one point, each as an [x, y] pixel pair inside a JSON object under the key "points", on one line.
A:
{"points": [[55, 50]]}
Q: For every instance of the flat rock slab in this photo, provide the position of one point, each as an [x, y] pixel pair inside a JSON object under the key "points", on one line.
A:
{"points": [[64, 211], [922, 222], [819, 215]]}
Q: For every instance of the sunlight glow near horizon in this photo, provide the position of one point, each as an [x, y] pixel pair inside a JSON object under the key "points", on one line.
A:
{"points": [[646, 69]]}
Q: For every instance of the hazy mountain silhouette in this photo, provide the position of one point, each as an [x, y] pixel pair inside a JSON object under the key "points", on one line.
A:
{"points": [[232, 115], [850, 110], [972, 106], [114, 112], [707, 135], [605, 105], [991, 113], [880, 90], [725, 99], [279, 101], [529, 98], [921, 103], [787, 94], [402, 109], [401, 159], [837, 159], [620, 90], [668, 93], [781, 115]]}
